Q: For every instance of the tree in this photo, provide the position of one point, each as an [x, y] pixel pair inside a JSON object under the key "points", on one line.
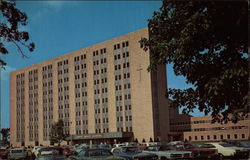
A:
{"points": [[11, 20], [57, 134], [206, 41], [5, 134]]}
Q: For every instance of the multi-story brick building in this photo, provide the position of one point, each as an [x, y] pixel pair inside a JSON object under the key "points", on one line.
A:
{"points": [[197, 129], [103, 93]]}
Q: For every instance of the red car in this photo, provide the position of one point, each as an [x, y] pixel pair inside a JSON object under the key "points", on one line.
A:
{"points": [[198, 152], [67, 151]]}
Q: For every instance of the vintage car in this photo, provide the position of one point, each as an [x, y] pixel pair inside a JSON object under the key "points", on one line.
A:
{"points": [[17, 154], [133, 153], [198, 152], [4, 153], [94, 154], [167, 152], [229, 150]]}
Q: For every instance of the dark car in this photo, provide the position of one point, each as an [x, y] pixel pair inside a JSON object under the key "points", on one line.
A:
{"points": [[133, 153], [94, 154], [17, 154], [199, 152], [4, 153]]}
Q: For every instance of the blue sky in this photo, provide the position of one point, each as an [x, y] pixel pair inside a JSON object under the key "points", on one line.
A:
{"points": [[60, 27]]}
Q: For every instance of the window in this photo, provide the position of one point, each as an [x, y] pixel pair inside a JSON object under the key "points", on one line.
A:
{"points": [[235, 136], [208, 137], [215, 137], [243, 136], [228, 136], [189, 138], [221, 136]]}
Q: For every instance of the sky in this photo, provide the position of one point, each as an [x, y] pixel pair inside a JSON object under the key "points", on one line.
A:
{"points": [[60, 27]]}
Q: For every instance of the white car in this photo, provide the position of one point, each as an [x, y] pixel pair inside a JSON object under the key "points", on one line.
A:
{"points": [[229, 150], [166, 152]]}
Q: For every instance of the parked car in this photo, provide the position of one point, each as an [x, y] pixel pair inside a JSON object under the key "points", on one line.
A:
{"points": [[50, 151], [229, 150], [133, 153], [4, 153], [17, 154], [244, 144], [198, 152], [51, 157], [94, 154], [167, 152], [81, 147]]}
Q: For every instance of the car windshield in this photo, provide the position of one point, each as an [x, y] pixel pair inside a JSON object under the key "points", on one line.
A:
{"points": [[207, 146], [165, 148], [130, 149], [187, 145], [245, 144], [17, 151], [97, 153], [226, 145]]}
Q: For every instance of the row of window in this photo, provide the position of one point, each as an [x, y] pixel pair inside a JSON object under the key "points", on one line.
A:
{"points": [[78, 57], [78, 104], [34, 78], [97, 101], [119, 108], [48, 92], [20, 76], [127, 118], [66, 79], [33, 87], [96, 63], [218, 137], [84, 84], [84, 75], [45, 84], [219, 128], [65, 106], [63, 71], [103, 80], [104, 120], [44, 76], [78, 132], [83, 66], [104, 110], [49, 67], [124, 55], [85, 112], [102, 51], [60, 98], [20, 83], [63, 63], [124, 44], [128, 129], [65, 115], [79, 94]]}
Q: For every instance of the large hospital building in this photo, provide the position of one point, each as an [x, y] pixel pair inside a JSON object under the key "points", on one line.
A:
{"points": [[103, 93]]}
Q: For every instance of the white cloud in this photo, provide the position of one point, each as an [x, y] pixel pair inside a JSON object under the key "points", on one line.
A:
{"points": [[5, 73]]}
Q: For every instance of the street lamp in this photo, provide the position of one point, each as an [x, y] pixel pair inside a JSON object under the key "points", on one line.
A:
{"points": [[2, 64]]}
